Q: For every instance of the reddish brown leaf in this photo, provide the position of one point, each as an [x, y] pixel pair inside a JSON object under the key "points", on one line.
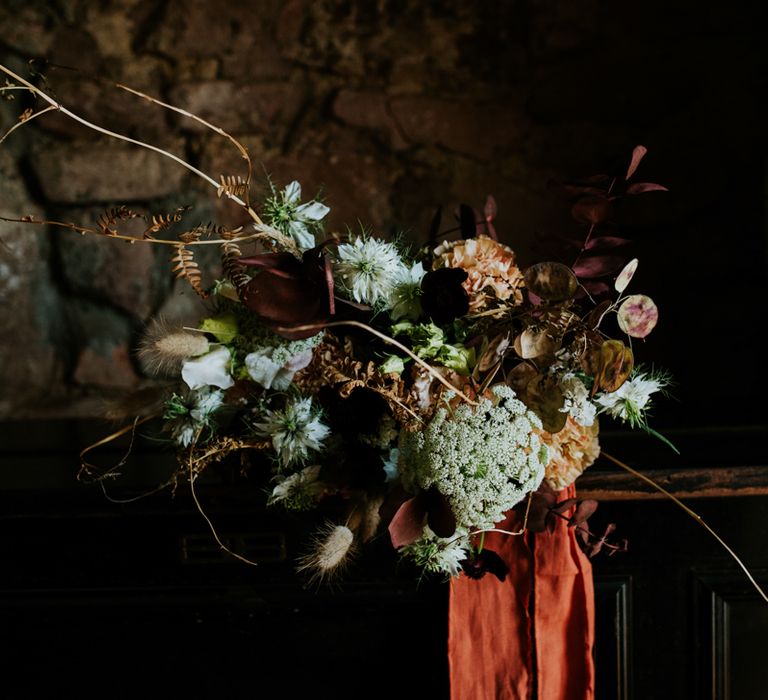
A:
{"points": [[597, 266], [407, 525], [592, 209], [605, 242], [638, 153], [640, 187]]}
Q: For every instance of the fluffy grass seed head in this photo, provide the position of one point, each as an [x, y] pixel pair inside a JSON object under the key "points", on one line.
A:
{"points": [[331, 550], [164, 349], [484, 459]]}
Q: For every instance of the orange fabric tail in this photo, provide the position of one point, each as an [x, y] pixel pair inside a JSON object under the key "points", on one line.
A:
{"points": [[531, 636]]}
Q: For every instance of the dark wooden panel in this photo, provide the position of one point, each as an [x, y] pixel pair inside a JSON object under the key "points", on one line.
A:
{"points": [[731, 641], [613, 636]]}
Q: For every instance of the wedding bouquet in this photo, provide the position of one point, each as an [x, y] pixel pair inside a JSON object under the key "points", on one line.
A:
{"points": [[424, 388]]}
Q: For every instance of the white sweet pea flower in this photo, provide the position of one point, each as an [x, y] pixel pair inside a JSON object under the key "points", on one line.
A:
{"points": [[271, 374], [211, 369]]}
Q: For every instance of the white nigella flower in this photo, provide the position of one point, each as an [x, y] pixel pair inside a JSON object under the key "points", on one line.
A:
{"points": [[294, 431], [211, 369], [288, 486], [438, 554], [285, 213], [195, 413], [630, 401], [404, 301], [369, 268], [577, 403]]}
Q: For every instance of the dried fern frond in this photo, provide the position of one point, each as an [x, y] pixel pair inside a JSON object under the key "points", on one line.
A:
{"points": [[108, 220], [161, 222], [186, 268], [233, 270], [232, 185], [211, 230]]}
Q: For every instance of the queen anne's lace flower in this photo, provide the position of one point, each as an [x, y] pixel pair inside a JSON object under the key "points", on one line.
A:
{"points": [[294, 431], [483, 458], [490, 266], [369, 269]]}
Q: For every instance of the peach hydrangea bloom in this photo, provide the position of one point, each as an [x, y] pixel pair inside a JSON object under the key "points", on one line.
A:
{"points": [[571, 451], [490, 265]]}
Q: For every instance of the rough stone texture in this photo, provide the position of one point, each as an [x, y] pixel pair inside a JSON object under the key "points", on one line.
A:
{"points": [[392, 108], [29, 365], [104, 347], [106, 172], [111, 270]]}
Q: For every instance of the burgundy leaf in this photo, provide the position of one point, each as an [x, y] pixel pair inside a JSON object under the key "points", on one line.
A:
{"points": [[584, 510], [565, 505], [407, 525], [490, 209], [595, 288], [604, 242], [638, 153], [640, 187], [598, 266], [593, 209]]}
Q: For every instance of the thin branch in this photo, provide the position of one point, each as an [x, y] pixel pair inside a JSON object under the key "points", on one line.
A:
{"points": [[21, 122], [128, 139], [694, 515], [389, 341]]}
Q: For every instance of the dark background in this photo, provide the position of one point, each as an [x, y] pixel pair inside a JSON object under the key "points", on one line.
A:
{"points": [[391, 108]]}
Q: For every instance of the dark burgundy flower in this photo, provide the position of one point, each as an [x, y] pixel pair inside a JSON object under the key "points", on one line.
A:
{"points": [[288, 292], [486, 561], [443, 296]]}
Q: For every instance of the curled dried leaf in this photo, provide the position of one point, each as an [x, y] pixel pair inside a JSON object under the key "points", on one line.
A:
{"points": [[638, 315], [551, 281], [545, 398], [531, 343], [615, 364]]}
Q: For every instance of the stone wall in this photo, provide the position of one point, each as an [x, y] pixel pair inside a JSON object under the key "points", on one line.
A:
{"points": [[391, 108]]}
